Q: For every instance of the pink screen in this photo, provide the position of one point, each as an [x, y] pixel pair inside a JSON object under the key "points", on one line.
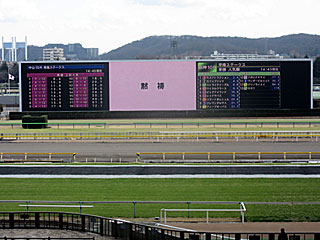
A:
{"points": [[150, 85]]}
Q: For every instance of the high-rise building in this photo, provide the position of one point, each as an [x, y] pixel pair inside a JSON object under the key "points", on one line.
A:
{"points": [[92, 52], [53, 54]]}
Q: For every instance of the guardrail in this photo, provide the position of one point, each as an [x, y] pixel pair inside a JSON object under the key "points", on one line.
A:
{"points": [[161, 136], [80, 206], [122, 229], [240, 124], [242, 210], [227, 156], [36, 157]]}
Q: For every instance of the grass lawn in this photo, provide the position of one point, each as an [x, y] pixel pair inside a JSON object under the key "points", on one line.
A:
{"points": [[117, 130], [155, 125], [268, 190], [177, 120]]}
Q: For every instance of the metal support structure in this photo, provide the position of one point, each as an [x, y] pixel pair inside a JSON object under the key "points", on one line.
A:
{"points": [[12, 49], [242, 210]]}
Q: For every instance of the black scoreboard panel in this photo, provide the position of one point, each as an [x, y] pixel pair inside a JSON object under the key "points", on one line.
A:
{"points": [[253, 84], [296, 84], [65, 86]]}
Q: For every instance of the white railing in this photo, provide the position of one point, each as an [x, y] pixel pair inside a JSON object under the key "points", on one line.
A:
{"points": [[242, 210]]}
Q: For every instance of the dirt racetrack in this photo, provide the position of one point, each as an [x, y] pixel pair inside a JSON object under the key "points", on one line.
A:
{"points": [[252, 227]]}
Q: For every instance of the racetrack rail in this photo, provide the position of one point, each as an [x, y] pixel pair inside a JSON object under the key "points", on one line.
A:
{"points": [[159, 136]]}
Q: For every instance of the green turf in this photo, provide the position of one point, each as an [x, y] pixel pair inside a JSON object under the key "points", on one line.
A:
{"points": [[147, 125], [101, 130], [171, 190], [175, 120]]}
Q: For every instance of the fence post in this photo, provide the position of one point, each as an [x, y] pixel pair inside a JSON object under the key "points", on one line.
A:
{"points": [[37, 220], [182, 236], [316, 236], [146, 233], [208, 236], [60, 220], [284, 156], [101, 227], [114, 229], [271, 236], [208, 157], [241, 212], [259, 156], [83, 223], [11, 220], [207, 215], [129, 231], [163, 236], [163, 157], [134, 209], [25, 156], [234, 156]]}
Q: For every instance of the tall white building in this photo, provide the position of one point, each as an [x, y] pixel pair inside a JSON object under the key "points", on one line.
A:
{"points": [[53, 54], [14, 51]]}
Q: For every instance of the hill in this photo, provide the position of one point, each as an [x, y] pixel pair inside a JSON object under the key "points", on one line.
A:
{"points": [[298, 45]]}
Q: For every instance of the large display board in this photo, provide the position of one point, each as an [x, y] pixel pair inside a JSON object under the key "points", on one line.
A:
{"points": [[65, 86], [152, 85], [166, 85], [238, 85]]}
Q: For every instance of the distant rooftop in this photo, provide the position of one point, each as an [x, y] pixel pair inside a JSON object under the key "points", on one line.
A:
{"points": [[271, 55]]}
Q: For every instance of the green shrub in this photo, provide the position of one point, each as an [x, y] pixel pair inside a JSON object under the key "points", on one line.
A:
{"points": [[34, 122]]}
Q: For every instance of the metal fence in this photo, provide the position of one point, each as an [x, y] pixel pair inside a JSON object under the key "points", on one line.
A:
{"points": [[124, 229], [167, 125], [13, 157], [227, 157], [173, 136], [242, 210]]}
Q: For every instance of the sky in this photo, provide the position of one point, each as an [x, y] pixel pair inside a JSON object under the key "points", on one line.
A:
{"points": [[109, 24]]}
